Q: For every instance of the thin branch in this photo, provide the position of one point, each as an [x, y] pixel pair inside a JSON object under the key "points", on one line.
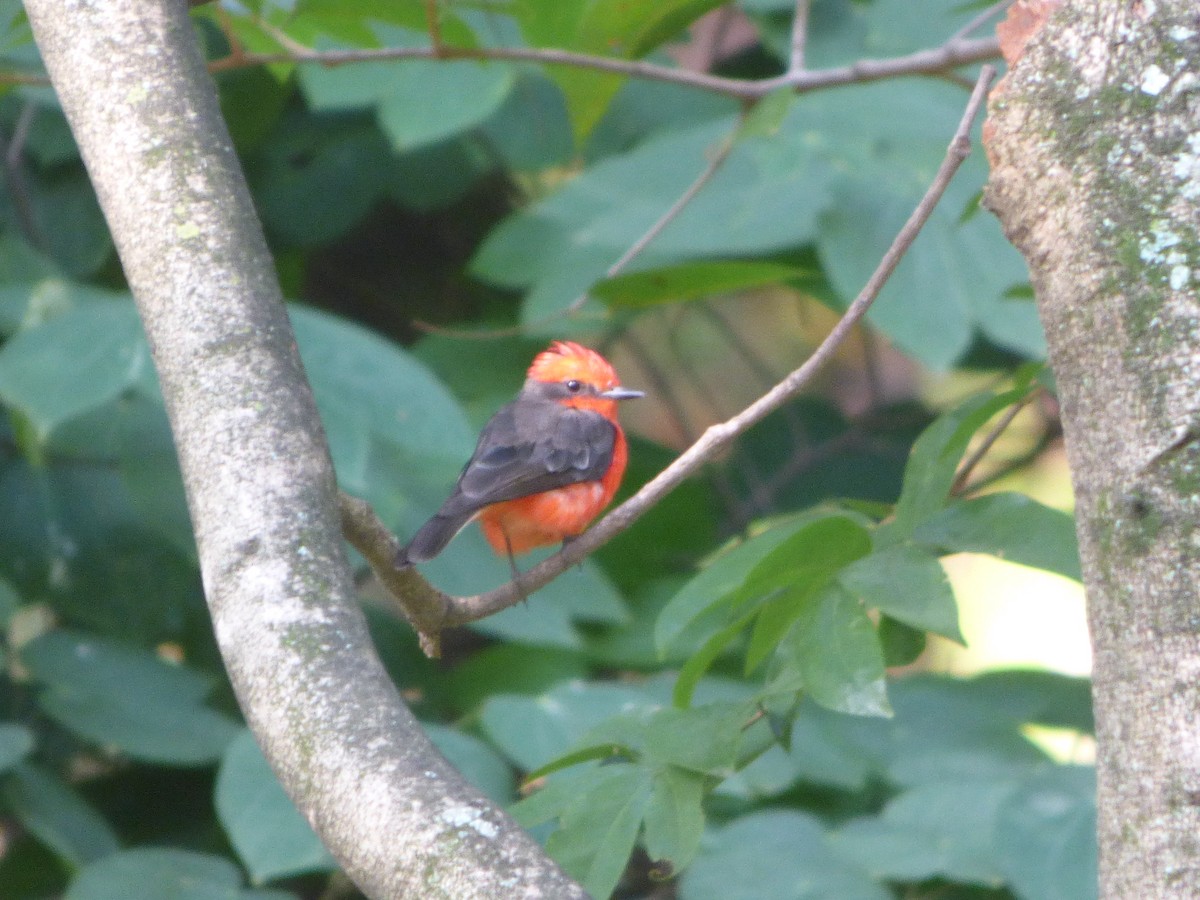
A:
{"points": [[799, 37], [447, 611], [977, 455], [714, 164], [950, 55], [980, 20]]}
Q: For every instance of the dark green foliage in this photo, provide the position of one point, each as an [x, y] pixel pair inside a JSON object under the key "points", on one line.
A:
{"points": [[708, 695]]}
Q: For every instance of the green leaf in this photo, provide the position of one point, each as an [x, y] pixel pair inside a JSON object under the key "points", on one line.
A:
{"points": [[511, 669], [432, 101], [908, 584], [718, 579], [597, 831], [55, 813], [374, 397], [674, 819], [478, 762], [1009, 526], [158, 874], [533, 730], [73, 363], [834, 653], [810, 556], [16, 742], [703, 739], [935, 830], [690, 281], [1046, 835], [272, 839], [127, 698], [766, 116], [934, 460], [761, 201], [693, 670], [781, 854]]}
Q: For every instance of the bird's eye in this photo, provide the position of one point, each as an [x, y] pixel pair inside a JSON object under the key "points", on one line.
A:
{"points": [[574, 386]]}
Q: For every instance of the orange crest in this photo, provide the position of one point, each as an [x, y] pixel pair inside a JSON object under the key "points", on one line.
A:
{"points": [[566, 359]]}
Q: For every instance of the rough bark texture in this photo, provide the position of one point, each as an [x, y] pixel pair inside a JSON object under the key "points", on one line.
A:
{"points": [[1095, 143], [260, 485]]}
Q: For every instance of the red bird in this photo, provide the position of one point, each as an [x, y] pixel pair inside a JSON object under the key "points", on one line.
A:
{"points": [[545, 464]]}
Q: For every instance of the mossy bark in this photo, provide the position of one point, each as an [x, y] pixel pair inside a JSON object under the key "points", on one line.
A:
{"points": [[1094, 139], [260, 484]]}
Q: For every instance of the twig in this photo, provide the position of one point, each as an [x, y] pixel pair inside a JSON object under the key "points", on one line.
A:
{"points": [[18, 187], [949, 55], [977, 455], [716, 160], [991, 12], [430, 610], [799, 37]]}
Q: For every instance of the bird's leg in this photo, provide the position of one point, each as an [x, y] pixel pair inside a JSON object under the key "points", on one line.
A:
{"points": [[512, 565]]}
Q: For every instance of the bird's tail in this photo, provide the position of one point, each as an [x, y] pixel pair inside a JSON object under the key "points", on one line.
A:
{"points": [[433, 537]]}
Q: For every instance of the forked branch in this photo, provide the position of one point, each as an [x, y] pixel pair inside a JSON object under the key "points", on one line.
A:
{"points": [[430, 610]]}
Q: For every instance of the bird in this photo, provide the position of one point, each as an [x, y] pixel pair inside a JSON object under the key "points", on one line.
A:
{"points": [[545, 464]]}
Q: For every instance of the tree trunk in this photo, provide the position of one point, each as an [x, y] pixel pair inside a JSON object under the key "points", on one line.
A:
{"points": [[1095, 144], [144, 112]]}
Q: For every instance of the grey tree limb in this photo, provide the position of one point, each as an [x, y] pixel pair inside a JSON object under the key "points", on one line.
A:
{"points": [[260, 484]]}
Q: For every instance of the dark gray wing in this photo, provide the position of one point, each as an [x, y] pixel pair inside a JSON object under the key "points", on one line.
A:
{"points": [[526, 448]]}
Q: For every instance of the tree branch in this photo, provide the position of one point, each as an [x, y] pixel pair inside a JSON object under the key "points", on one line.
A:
{"points": [[432, 612], [950, 55], [398, 817]]}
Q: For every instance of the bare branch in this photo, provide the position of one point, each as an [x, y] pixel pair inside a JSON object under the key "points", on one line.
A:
{"points": [[716, 160], [976, 456], [799, 37], [460, 610]]}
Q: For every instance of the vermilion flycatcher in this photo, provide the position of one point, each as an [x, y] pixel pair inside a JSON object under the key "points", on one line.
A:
{"points": [[545, 464]]}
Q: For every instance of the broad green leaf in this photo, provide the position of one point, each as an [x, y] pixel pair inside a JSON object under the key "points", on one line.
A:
{"points": [[834, 653], [60, 818], [934, 460], [935, 830], [781, 854], [689, 281], [1034, 695], [1009, 526], [674, 819], [126, 698], [761, 201], [1046, 835], [478, 762], [511, 669], [418, 102], [534, 730], [698, 664], [597, 831], [374, 397], [351, 160], [717, 580], [16, 742], [908, 584], [272, 839], [73, 363], [703, 739], [432, 101], [158, 874]]}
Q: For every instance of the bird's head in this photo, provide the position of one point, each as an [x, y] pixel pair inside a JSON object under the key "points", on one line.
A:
{"points": [[574, 375]]}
